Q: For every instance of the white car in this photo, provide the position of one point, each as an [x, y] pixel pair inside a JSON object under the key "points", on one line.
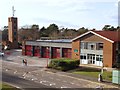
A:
{"points": [[1, 54]]}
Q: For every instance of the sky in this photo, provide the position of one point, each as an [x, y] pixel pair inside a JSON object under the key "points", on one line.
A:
{"points": [[72, 14]]}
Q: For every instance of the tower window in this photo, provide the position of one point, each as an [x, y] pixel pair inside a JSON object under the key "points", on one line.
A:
{"points": [[15, 33]]}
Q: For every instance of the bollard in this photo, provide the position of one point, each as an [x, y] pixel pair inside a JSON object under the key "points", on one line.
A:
{"points": [[100, 78]]}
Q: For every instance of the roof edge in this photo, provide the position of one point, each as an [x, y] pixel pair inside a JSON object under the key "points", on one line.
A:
{"points": [[94, 34]]}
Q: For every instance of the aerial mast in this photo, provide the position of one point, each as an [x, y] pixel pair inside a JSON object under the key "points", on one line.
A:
{"points": [[13, 11]]}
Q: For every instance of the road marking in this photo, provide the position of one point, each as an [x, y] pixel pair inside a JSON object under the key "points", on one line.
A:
{"points": [[24, 74], [15, 72], [52, 84], [6, 70], [40, 81], [72, 83], [64, 87], [17, 87]]}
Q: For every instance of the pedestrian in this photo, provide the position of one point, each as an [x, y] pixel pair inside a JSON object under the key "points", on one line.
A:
{"points": [[26, 62], [23, 61]]}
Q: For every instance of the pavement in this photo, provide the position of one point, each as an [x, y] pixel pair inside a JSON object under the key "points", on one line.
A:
{"points": [[37, 67]]}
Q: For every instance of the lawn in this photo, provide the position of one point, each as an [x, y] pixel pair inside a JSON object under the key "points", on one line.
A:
{"points": [[5, 86], [93, 73]]}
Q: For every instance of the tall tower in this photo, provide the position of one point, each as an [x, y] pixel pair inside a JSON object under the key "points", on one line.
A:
{"points": [[13, 30]]}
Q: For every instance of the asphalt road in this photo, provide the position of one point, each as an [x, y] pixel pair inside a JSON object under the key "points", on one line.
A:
{"points": [[23, 84]]}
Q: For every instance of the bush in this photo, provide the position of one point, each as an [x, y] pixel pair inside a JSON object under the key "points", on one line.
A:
{"points": [[64, 64]]}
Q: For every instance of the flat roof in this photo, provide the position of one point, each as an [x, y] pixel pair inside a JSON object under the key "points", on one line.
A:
{"points": [[57, 41]]}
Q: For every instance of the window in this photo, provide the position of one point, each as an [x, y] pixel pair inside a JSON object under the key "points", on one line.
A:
{"points": [[83, 56], [91, 46], [100, 46], [84, 45], [99, 57], [14, 33]]}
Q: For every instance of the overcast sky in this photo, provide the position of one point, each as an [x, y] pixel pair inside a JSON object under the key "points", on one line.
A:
{"points": [[65, 13]]}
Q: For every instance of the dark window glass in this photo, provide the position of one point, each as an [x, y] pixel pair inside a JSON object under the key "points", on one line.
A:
{"points": [[81, 57]]}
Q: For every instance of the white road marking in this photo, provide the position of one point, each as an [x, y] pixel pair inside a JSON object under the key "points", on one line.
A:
{"points": [[40, 81], [6, 70], [17, 87], [24, 74], [15, 72], [52, 84], [64, 87], [72, 83]]}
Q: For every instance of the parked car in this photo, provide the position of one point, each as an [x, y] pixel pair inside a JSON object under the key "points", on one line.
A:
{"points": [[1, 54]]}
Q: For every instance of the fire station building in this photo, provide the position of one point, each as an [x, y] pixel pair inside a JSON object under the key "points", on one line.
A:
{"points": [[93, 47]]}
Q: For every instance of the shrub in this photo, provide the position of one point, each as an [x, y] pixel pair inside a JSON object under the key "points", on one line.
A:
{"points": [[64, 64]]}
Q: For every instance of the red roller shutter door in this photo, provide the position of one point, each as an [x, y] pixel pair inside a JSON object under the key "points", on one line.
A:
{"points": [[37, 51], [67, 52], [45, 51], [28, 50], [64, 52], [56, 52], [69, 55]]}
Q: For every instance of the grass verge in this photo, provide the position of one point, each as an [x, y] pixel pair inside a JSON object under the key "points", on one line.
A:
{"points": [[4, 86], [93, 73]]}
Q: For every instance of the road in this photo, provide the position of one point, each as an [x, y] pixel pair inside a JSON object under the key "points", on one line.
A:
{"points": [[22, 83]]}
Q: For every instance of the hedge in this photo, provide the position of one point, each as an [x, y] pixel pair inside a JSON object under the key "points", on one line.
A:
{"points": [[63, 64]]}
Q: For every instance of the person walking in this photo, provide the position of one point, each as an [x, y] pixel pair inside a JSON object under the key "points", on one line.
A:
{"points": [[25, 62]]}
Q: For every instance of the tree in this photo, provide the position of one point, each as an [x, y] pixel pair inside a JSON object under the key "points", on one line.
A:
{"points": [[28, 33], [5, 33], [53, 30], [109, 28], [43, 32], [82, 30]]}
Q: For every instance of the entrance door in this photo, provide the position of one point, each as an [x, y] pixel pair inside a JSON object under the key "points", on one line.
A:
{"points": [[91, 58]]}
